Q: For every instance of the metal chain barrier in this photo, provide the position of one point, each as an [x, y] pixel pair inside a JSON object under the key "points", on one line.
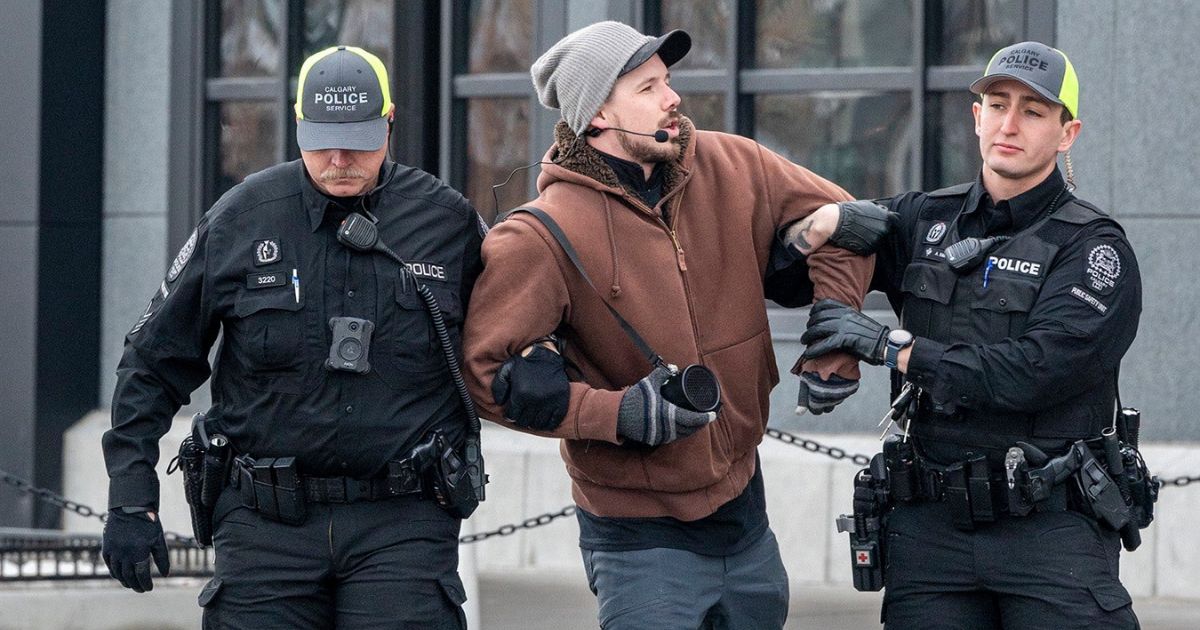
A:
{"points": [[64, 503], [816, 447], [529, 523], [1180, 482]]}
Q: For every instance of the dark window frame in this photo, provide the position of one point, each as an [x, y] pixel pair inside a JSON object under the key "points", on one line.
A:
{"points": [[740, 84], [198, 93]]}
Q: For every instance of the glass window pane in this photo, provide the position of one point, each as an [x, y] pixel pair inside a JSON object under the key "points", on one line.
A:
{"points": [[956, 148], [708, 22], [973, 30], [860, 141], [499, 133], [501, 37], [251, 38], [249, 139], [368, 24], [833, 33], [707, 111]]}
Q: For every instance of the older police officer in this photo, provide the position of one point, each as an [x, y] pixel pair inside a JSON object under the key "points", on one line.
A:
{"points": [[1016, 338], [358, 544]]}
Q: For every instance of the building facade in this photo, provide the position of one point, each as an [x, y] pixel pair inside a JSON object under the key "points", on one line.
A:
{"points": [[129, 118]]}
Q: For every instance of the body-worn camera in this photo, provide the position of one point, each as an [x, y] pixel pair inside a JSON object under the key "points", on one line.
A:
{"points": [[351, 345]]}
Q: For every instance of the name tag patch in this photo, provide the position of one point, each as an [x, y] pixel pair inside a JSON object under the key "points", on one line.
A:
{"points": [[426, 270], [1016, 265], [933, 252], [264, 280], [1090, 300]]}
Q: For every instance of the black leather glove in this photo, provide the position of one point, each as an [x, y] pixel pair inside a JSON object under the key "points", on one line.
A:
{"points": [[646, 417], [834, 326], [533, 389], [820, 396], [862, 226], [130, 540]]}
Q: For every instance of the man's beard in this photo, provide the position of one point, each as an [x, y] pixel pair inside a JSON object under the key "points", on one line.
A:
{"points": [[643, 149]]}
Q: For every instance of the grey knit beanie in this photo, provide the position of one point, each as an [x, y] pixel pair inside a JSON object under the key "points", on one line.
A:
{"points": [[577, 74]]}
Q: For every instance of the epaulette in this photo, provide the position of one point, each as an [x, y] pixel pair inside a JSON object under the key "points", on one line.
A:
{"points": [[1079, 212], [952, 191]]}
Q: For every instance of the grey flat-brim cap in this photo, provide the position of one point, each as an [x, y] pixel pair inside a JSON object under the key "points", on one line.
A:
{"points": [[578, 73], [367, 135], [1043, 69]]}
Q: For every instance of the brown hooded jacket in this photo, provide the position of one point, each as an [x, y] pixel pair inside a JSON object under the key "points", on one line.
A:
{"points": [[693, 289]]}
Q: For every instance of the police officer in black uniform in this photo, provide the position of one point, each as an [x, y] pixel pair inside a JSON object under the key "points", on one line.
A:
{"points": [[1014, 337], [357, 542]]}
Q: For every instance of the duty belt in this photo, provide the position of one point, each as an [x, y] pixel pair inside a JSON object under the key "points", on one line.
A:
{"points": [[272, 486], [974, 493]]}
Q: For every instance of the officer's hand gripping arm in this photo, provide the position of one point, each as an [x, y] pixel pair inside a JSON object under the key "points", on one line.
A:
{"points": [[833, 326], [533, 388]]}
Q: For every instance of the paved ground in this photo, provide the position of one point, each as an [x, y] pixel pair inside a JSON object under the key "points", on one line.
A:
{"points": [[513, 601], [561, 601]]}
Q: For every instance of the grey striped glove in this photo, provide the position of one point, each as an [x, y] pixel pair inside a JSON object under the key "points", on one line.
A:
{"points": [[646, 417]]}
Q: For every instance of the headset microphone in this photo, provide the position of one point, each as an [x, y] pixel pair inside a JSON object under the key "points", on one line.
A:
{"points": [[660, 135]]}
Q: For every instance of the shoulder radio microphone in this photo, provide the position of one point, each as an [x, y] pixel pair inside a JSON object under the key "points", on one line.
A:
{"points": [[659, 135]]}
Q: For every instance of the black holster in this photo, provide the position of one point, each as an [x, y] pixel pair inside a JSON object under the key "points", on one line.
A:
{"points": [[867, 526], [204, 461], [457, 482]]}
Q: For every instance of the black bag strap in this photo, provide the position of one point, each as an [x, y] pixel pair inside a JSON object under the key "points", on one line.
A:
{"points": [[556, 231]]}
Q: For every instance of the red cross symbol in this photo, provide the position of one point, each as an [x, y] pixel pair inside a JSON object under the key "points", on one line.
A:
{"points": [[863, 559]]}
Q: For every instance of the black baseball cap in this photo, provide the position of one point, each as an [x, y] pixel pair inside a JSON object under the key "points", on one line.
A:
{"points": [[342, 101], [670, 47]]}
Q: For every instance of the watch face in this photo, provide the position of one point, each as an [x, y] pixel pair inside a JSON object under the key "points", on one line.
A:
{"points": [[900, 337]]}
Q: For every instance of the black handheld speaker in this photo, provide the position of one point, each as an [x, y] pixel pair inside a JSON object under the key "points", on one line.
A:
{"points": [[694, 387]]}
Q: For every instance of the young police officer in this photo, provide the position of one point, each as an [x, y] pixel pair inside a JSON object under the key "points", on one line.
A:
{"points": [[674, 226], [1016, 338], [358, 545]]}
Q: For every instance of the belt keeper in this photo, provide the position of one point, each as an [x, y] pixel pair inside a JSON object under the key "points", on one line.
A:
{"points": [[264, 488], [980, 491], [957, 497], [394, 476]]}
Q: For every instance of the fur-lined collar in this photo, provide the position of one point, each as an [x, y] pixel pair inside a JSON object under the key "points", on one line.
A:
{"points": [[587, 161]]}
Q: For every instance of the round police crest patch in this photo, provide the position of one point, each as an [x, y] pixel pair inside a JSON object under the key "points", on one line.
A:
{"points": [[1103, 268], [182, 258], [936, 232]]}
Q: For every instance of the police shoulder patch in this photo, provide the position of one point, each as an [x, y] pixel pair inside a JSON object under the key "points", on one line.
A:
{"points": [[1103, 268], [182, 258]]}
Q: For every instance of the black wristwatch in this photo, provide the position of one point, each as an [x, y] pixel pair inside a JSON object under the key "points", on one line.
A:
{"points": [[897, 340]]}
